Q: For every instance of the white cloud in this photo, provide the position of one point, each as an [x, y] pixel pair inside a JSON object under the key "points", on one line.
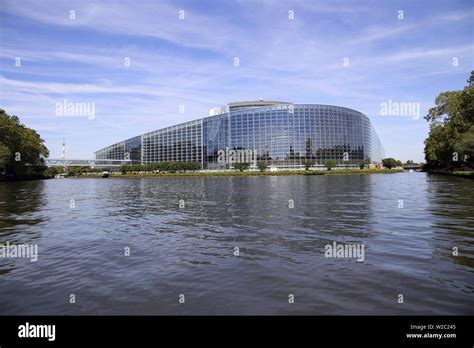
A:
{"points": [[299, 60]]}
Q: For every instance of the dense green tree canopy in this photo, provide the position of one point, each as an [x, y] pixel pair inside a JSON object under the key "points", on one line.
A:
{"points": [[22, 150], [262, 166], [450, 142], [390, 162]]}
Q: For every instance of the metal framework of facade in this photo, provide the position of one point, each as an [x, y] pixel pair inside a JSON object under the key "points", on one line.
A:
{"points": [[281, 134], [50, 162]]}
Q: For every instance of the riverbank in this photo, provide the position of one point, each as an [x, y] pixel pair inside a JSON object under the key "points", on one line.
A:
{"points": [[265, 173], [214, 174], [467, 174]]}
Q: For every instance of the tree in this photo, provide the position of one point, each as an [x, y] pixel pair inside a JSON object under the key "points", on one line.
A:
{"points": [[330, 164], [470, 80], [22, 150], [389, 162], [363, 164], [262, 166], [465, 146], [5, 154], [242, 166], [450, 123], [308, 164]]}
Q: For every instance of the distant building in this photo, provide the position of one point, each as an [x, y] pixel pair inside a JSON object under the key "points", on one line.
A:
{"points": [[280, 133]]}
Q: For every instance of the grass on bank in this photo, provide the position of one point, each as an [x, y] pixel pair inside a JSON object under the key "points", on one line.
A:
{"points": [[463, 173], [267, 173]]}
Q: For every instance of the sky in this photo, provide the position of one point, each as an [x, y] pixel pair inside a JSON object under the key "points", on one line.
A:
{"points": [[145, 65]]}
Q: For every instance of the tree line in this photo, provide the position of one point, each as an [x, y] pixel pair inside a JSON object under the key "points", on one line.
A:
{"points": [[73, 171], [450, 143], [166, 167]]}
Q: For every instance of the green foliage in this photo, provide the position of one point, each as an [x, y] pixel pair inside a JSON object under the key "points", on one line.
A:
{"points": [[73, 171], [451, 137], [463, 173], [22, 150], [308, 164], [125, 169], [363, 164], [330, 164], [77, 171], [465, 145], [411, 163], [242, 166], [159, 167], [272, 173], [262, 166], [52, 171], [390, 162], [5, 154]]}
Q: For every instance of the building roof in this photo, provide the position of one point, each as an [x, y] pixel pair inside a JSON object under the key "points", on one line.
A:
{"points": [[254, 104]]}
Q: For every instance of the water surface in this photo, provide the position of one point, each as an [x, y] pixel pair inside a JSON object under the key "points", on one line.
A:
{"points": [[190, 250]]}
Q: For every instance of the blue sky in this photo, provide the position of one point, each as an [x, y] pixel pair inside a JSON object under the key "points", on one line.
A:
{"points": [[190, 62]]}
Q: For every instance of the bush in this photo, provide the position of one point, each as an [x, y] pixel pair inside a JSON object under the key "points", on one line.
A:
{"points": [[330, 164], [167, 167], [308, 164], [262, 166], [50, 172], [242, 166]]}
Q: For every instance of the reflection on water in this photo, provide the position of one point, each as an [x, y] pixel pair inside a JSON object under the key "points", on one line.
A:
{"points": [[20, 204], [190, 250]]}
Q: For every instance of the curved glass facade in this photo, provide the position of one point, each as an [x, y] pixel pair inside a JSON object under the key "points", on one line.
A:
{"points": [[278, 133]]}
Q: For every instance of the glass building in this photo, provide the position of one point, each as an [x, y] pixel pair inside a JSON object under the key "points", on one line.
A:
{"points": [[280, 134]]}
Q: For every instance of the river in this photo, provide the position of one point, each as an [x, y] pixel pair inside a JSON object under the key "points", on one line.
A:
{"points": [[239, 245]]}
